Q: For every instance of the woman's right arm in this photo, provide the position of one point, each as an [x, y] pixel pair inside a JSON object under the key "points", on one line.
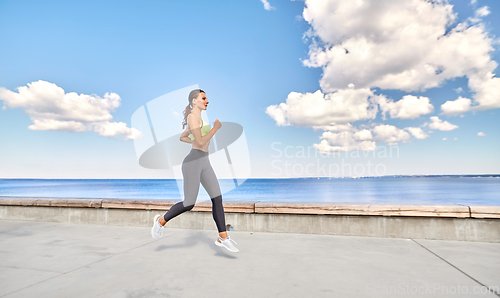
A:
{"points": [[196, 131], [185, 137]]}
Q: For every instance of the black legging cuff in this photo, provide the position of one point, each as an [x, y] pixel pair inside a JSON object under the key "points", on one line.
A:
{"points": [[175, 210], [218, 213]]}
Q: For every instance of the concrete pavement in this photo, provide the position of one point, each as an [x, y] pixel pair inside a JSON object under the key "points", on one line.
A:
{"points": [[40, 259]]}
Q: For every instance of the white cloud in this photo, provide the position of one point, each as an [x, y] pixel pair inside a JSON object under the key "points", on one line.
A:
{"points": [[481, 134], [334, 112], [417, 132], [482, 12], [51, 124], [345, 141], [444, 139], [405, 45], [457, 106], [109, 129], [390, 134], [278, 113], [487, 96], [267, 6], [440, 124], [365, 139], [409, 107], [409, 45], [336, 127], [50, 108], [318, 109], [487, 90], [363, 135]]}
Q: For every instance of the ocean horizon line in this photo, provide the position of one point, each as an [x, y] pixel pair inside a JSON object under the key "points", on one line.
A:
{"points": [[280, 178]]}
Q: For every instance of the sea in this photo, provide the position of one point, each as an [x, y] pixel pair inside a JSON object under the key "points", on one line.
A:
{"points": [[402, 190]]}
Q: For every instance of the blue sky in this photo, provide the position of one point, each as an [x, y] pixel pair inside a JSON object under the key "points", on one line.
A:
{"points": [[249, 60]]}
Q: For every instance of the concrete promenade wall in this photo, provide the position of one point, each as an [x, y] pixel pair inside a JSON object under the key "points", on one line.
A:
{"points": [[466, 223]]}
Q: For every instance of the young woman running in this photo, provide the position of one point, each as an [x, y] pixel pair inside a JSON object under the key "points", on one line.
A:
{"points": [[196, 168]]}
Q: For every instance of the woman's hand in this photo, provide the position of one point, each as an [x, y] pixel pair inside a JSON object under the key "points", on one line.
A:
{"points": [[217, 125]]}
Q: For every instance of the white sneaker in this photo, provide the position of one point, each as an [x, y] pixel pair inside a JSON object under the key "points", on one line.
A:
{"points": [[226, 243], [157, 229]]}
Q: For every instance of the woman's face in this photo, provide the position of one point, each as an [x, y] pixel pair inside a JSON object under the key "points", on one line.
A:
{"points": [[201, 101]]}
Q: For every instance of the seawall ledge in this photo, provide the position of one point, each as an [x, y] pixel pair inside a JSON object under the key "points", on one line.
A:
{"points": [[463, 223], [277, 207]]}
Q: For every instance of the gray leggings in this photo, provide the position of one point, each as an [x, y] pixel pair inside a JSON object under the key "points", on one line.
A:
{"points": [[196, 168]]}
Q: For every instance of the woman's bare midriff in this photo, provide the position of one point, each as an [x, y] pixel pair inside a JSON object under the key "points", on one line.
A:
{"points": [[196, 145], [204, 148]]}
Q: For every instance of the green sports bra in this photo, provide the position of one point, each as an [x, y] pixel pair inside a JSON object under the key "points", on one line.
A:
{"points": [[205, 128]]}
